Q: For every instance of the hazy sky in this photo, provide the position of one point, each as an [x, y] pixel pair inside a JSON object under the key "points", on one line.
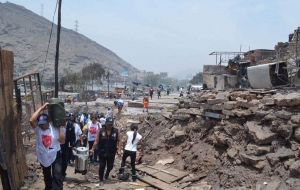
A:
{"points": [[176, 36]]}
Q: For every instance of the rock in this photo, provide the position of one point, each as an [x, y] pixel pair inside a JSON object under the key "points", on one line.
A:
{"points": [[288, 100], [295, 169], [181, 117], [281, 154], [272, 158], [295, 119], [215, 101], [258, 150], [221, 139], [195, 105], [288, 163], [232, 152], [232, 129], [273, 185], [285, 153], [246, 104], [297, 134], [267, 101], [71, 185], [285, 130], [24, 188], [191, 111], [262, 113], [229, 105], [176, 128], [227, 112], [270, 117], [205, 97], [202, 186], [179, 134], [261, 136], [282, 114], [242, 113], [255, 161], [165, 161], [223, 96]]}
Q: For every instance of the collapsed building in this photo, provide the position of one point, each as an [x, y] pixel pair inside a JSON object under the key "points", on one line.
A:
{"points": [[259, 68]]}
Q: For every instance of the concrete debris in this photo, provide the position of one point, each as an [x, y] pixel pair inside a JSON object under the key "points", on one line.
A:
{"points": [[295, 169], [258, 150], [297, 134], [288, 100], [256, 161], [165, 161], [261, 135]]}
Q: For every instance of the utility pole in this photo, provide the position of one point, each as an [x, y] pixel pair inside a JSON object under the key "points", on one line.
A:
{"points": [[42, 10], [57, 49], [76, 25], [107, 77]]}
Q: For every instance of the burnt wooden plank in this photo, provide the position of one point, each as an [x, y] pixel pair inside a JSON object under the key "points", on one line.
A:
{"points": [[164, 173], [10, 131], [157, 183], [165, 177], [180, 174]]}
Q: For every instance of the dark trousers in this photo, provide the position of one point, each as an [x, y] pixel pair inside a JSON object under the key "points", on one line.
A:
{"points": [[93, 158], [66, 156], [53, 174], [108, 162], [132, 155]]}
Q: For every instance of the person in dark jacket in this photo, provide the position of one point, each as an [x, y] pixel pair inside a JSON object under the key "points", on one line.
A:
{"points": [[70, 142], [107, 141]]}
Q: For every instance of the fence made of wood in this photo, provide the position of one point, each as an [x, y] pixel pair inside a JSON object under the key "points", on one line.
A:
{"points": [[12, 159]]}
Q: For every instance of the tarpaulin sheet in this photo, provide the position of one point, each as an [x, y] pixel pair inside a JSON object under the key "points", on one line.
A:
{"points": [[259, 76]]}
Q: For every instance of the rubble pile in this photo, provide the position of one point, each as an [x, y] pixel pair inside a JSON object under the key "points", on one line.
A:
{"points": [[237, 138]]}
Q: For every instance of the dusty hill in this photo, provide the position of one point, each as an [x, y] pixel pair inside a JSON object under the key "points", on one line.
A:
{"points": [[27, 35]]}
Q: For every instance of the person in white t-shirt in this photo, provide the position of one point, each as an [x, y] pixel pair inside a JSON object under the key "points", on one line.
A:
{"points": [[93, 129], [133, 137], [48, 140]]}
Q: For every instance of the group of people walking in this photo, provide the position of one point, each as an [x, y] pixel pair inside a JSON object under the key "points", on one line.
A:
{"points": [[54, 144]]}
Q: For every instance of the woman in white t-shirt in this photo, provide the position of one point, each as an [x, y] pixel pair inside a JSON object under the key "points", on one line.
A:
{"points": [[133, 137], [92, 131]]}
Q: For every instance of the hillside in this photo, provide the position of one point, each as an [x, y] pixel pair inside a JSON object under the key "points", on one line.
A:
{"points": [[27, 34]]}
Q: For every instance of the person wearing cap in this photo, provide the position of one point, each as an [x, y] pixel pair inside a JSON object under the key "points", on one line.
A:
{"points": [[48, 151], [107, 141], [120, 104]]}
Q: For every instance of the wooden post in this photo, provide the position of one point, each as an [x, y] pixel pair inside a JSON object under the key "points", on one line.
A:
{"points": [[31, 90], [11, 151]]}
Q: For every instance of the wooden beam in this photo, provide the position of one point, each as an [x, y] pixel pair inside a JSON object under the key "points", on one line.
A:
{"points": [[157, 183]]}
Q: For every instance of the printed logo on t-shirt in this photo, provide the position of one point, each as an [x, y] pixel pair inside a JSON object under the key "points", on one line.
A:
{"points": [[47, 140], [93, 130]]}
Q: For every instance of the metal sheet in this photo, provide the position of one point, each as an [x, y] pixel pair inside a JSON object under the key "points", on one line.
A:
{"points": [[259, 76]]}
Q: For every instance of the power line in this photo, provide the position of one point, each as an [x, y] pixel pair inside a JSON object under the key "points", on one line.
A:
{"points": [[49, 40]]}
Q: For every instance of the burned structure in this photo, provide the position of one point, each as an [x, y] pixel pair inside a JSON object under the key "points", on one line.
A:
{"points": [[259, 68]]}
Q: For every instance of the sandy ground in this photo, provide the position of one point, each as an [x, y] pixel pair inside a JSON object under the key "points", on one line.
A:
{"points": [[90, 180]]}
